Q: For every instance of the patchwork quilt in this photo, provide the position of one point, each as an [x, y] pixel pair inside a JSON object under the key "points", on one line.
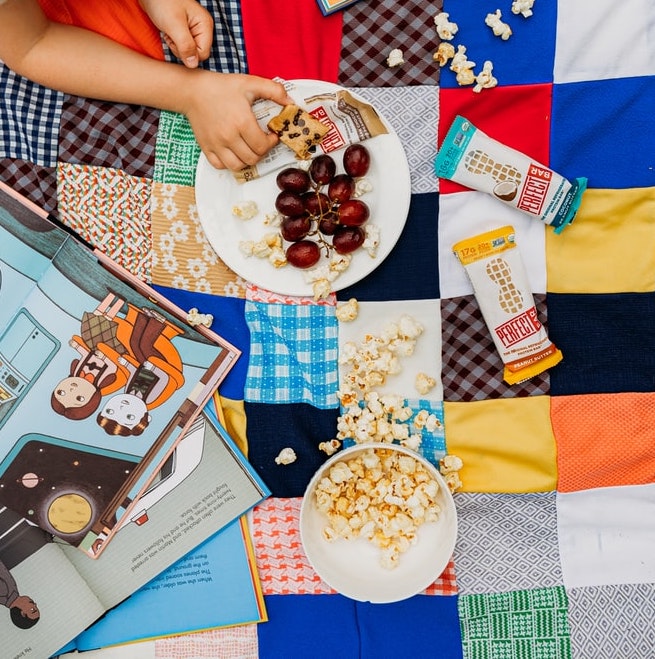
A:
{"points": [[554, 557]]}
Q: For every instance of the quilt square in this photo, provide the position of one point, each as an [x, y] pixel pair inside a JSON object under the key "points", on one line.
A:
{"points": [[594, 124], [608, 342], [293, 354], [514, 438], [603, 538], [517, 116], [176, 151], [612, 229], [526, 57], [593, 46], [29, 115], [37, 183], [408, 26], [522, 624], [506, 542], [586, 429]]}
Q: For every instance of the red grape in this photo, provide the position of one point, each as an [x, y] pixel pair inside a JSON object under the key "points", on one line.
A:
{"points": [[290, 204], [347, 239], [322, 169], [356, 160], [316, 203], [295, 228], [303, 254], [328, 223], [341, 188], [353, 213], [293, 179]]}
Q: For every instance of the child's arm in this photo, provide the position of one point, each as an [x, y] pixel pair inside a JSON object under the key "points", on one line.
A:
{"points": [[81, 62]]}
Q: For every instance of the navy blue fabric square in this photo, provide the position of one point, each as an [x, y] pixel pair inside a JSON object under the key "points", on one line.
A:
{"points": [[302, 427], [529, 35], [399, 629], [310, 627], [595, 126], [229, 322], [608, 342], [410, 271]]}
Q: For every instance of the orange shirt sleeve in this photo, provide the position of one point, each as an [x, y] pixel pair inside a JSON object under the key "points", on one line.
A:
{"points": [[122, 21]]}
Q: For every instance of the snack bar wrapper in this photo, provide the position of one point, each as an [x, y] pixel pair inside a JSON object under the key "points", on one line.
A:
{"points": [[473, 159], [350, 120], [493, 264]]}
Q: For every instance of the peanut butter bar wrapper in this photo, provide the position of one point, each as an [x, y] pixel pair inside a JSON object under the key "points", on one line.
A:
{"points": [[473, 159], [350, 120], [494, 266]]}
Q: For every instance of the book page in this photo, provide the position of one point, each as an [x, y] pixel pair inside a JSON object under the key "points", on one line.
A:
{"points": [[99, 383], [44, 600]]}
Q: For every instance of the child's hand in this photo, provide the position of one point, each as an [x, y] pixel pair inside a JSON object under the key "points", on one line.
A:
{"points": [[188, 28], [218, 106]]}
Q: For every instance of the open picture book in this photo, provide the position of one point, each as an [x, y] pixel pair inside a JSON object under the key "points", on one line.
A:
{"points": [[172, 552], [100, 377]]}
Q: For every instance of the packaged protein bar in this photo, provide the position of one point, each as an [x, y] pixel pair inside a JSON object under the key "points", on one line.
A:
{"points": [[493, 264], [473, 159]]}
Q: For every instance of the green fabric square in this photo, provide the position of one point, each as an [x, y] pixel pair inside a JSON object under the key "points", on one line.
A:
{"points": [[176, 151], [526, 624]]}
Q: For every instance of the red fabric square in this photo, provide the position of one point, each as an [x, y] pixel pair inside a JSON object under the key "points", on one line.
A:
{"points": [[291, 39], [518, 116]]}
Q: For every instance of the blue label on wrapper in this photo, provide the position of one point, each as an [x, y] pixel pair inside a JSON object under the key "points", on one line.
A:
{"points": [[454, 147]]}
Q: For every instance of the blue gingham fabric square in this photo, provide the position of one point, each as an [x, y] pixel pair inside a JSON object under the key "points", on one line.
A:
{"points": [[293, 354], [29, 115]]}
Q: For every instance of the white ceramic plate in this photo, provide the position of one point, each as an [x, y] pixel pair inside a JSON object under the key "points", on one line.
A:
{"points": [[217, 192], [352, 567]]}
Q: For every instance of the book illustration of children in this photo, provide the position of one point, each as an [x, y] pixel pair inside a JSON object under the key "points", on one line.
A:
{"points": [[155, 373], [23, 611], [96, 372]]}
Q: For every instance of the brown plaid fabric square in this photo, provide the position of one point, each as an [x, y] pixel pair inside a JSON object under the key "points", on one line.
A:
{"points": [[372, 29]]}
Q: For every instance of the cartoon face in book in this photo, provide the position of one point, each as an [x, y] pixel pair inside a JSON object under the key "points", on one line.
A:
{"points": [[23, 611], [133, 353]]}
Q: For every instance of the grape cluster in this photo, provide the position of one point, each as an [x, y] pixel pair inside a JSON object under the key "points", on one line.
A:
{"points": [[318, 208]]}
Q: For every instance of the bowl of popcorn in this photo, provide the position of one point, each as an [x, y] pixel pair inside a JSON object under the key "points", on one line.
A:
{"points": [[378, 522]]}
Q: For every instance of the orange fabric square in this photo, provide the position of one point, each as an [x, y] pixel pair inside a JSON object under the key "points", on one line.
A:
{"points": [[604, 440], [516, 115], [281, 40]]}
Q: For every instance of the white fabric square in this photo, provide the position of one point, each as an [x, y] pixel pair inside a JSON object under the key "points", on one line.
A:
{"points": [[605, 537], [375, 316], [603, 39], [466, 214]]}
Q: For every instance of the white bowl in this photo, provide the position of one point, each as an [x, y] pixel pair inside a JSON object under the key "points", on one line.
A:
{"points": [[352, 566]]}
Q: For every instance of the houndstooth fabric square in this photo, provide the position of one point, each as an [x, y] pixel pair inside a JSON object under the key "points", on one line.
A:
{"points": [[471, 366], [108, 135], [29, 115], [365, 46], [38, 184]]}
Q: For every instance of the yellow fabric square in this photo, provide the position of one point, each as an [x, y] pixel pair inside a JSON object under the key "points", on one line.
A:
{"points": [[507, 445], [233, 416], [609, 248], [181, 254]]}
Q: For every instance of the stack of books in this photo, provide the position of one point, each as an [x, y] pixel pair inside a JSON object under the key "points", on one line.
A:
{"points": [[122, 496]]}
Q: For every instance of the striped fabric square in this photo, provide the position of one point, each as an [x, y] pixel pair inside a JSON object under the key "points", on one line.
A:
{"points": [[29, 115], [534, 34], [108, 135], [176, 151], [106, 208], [293, 354], [521, 624], [506, 542], [408, 26]]}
